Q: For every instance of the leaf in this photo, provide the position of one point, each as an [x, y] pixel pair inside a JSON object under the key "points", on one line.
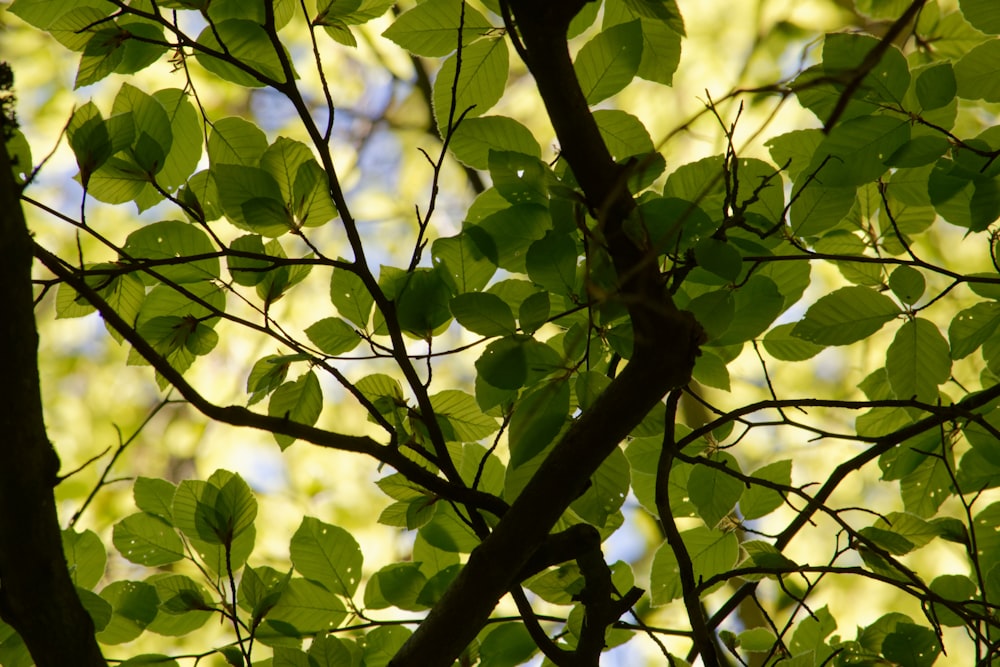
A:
{"points": [[300, 401], [382, 643], [483, 313], [147, 540], [907, 284], [460, 410], [237, 141], [464, 260], [857, 151], [538, 417], [713, 492], [911, 645], [506, 644], [758, 501], [551, 263], [519, 178], [475, 138], [512, 231], [609, 61], [395, 585], [134, 605], [781, 344], [712, 552], [154, 496], [306, 608], [422, 303], [327, 555], [175, 241], [85, 557], [918, 361], [972, 327], [247, 43], [976, 73], [607, 491], [479, 86], [351, 298], [333, 336], [845, 316], [509, 362], [431, 28]]}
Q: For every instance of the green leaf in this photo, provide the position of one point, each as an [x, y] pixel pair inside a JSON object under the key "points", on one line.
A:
{"points": [[176, 241], [237, 141], [972, 327], [758, 501], [607, 491], [448, 533], [475, 138], [538, 417], [85, 557], [266, 375], [609, 61], [330, 651], [464, 260], [134, 606], [351, 298], [251, 199], [422, 303], [467, 422], [431, 28], [306, 607], [845, 316], [955, 587], [512, 231], [982, 14], [509, 362], [918, 361], [907, 284], [551, 263], [483, 313], [43, 14], [534, 312], [519, 178], [757, 303], [247, 43], [506, 645], [154, 496], [713, 492], [720, 258], [712, 552], [382, 644], [856, 151], [815, 208], [327, 555], [480, 83], [147, 539], [333, 336], [300, 401], [261, 588], [978, 73], [395, 585], [781, 344], [911, 645]]}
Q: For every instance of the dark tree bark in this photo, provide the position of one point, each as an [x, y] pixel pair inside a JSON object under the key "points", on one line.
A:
{"points": [[666, 344], [37, 596]]}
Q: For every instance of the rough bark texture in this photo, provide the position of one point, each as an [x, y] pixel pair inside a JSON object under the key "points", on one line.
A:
{"points": [[37, 597], [665, 348]]}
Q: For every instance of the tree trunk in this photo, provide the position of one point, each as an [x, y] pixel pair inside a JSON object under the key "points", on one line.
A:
{"points": [[37, 596]]}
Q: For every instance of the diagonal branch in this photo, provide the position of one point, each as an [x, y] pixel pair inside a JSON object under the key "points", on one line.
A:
{"points": [[655, 367], [239, 416]]}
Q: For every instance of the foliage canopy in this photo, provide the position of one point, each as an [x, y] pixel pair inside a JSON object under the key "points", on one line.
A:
{"points": [[573, 341]]}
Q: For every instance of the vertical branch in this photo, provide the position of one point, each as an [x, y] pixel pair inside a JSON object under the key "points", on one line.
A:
{"points": [[703, 642]]}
